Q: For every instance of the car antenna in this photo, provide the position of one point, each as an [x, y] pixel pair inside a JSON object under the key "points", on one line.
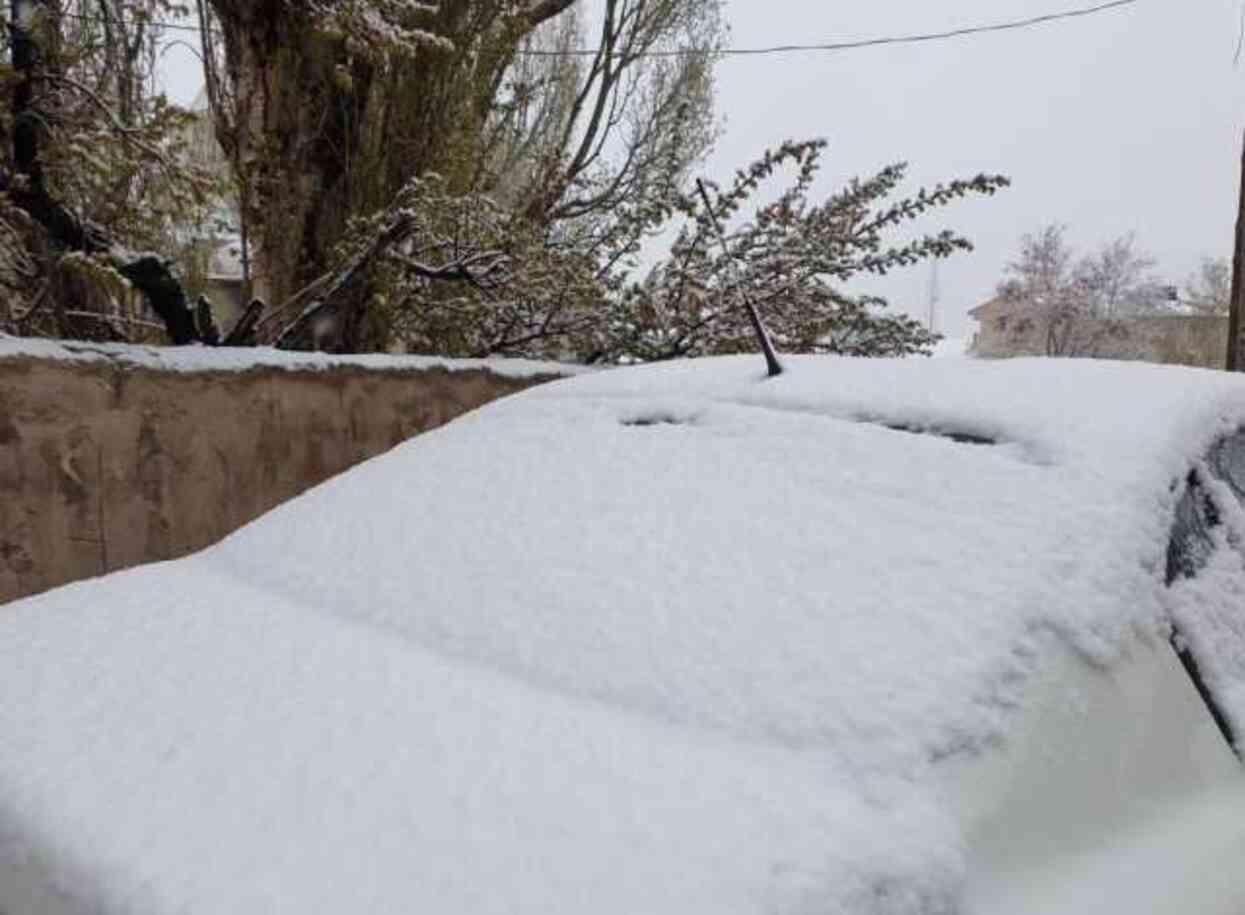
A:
{"points": [[758, 326]]}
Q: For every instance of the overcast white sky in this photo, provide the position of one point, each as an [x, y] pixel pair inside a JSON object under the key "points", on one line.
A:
{"points": [[1127, 121]]}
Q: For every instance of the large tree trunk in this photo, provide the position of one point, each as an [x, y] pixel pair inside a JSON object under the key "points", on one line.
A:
{"points": [[320, 134], [299, 107]]}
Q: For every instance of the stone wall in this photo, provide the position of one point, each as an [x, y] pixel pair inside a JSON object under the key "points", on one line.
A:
{"points": [[105, 464], [1195, 340]]}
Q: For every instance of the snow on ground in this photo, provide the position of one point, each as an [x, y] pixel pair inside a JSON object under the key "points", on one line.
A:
{"points": [[664, 640], [951, 348], [240, 359]]}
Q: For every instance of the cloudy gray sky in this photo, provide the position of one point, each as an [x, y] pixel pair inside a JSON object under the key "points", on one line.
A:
{"points": [[1126, 121]]}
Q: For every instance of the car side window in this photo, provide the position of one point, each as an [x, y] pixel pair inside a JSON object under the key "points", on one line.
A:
{"points": [[1192, 543], [1227, 462]]}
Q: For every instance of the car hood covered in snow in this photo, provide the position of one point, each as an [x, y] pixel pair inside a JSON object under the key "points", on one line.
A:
{"points": [[664, 640]]}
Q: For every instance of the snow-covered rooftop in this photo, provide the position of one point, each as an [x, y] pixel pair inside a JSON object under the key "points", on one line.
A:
{"points": [[676, 639], [242, 359]]}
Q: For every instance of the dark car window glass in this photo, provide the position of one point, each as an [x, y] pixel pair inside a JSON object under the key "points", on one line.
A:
{"points": [[1192, 542], [1197, 514], [1227, 463]]}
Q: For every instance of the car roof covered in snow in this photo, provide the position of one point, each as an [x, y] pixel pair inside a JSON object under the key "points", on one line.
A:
{"points": [[677, 638]]}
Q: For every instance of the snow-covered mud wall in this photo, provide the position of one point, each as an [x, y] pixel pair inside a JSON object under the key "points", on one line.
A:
{"points": [[112, 456]]}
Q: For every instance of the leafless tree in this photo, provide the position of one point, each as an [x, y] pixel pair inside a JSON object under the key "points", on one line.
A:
{"points": [[1116, 281], [635, 122], [1058, 305], [1209, 291]]}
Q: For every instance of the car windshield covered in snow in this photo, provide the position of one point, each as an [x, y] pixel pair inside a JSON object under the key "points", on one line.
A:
{"points": [[869, 637]]}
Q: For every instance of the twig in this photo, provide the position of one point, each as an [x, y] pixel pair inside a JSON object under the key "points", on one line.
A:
{"points": [[293, 300], [458, 269], [243, 332], [126, 132], [37, 303], [398, 229]]}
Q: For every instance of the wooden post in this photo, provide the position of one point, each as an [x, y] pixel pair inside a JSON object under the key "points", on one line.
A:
{"points": [[1236, 358]]}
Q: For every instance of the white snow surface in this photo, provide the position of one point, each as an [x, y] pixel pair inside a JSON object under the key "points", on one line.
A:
{"points": [[951, 348], [548, 660], [197, 358]]}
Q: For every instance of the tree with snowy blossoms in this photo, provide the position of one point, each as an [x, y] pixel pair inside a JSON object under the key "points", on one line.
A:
{"points": [[521, 290], [794, 261]]}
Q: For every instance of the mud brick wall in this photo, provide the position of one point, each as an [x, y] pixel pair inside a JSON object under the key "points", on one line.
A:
{"points": [[106, 465]]}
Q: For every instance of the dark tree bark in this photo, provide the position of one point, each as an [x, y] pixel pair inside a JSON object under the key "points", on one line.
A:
{"points": [[205, 321], [545, 10], [1236, 351], [150, 274], [290, 107], [318, 132], [339, 302], [243, 332]]}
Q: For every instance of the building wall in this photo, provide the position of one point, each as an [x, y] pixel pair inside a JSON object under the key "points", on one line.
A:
{"points": [[1195, 340], [998, 335], [105, 465], [226, 298]]}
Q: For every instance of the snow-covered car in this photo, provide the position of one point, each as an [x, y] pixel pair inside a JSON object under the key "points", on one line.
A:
{"points": [[869, 637]]}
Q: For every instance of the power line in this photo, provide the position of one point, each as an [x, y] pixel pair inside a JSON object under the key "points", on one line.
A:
{"points": [[100, 20], [826, 47], [1240, 41], [1012, 25]]}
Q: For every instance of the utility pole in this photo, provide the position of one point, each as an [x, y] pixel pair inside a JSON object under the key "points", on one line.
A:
{"points": [[935, 297], [1236, 355]]}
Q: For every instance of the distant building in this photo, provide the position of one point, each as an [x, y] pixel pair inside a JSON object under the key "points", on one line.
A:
{"points": [[224, 279], [998, 332]]}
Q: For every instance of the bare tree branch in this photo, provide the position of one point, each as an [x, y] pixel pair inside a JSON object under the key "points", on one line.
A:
{"points": [[545, 10]]}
